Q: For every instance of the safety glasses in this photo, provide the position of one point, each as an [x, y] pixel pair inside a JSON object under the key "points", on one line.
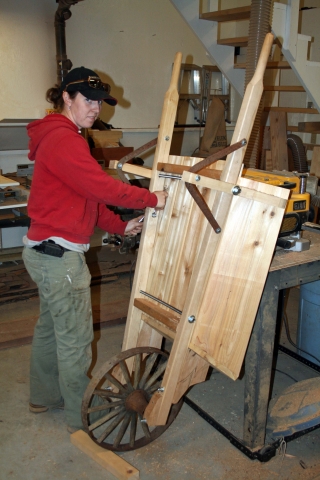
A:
{"points": [[93, 82]]}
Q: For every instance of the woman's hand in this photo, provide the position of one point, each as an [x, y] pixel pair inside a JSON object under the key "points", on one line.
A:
{"points": [[134, 226], [161, 196]]}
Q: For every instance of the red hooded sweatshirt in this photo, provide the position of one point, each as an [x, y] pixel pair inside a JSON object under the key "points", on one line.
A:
{"points": [[69, 190]]}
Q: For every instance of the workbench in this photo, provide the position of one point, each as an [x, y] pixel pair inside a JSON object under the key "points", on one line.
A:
{"points": [[288, 269]]}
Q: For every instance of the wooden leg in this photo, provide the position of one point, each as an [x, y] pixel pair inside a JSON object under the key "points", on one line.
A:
{"points": [[258, 365]]}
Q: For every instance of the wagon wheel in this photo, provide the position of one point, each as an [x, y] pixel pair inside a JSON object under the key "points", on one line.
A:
{"points": [[115, 399]]}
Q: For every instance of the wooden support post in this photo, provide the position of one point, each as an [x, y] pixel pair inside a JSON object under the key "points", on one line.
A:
{"points": [[107, 459], [279, 149], [258, 365], [315, 162]]}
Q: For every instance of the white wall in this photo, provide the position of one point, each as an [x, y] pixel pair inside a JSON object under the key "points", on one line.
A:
{"points": [[130, 43]]}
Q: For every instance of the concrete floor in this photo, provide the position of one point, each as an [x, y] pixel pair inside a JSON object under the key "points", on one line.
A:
{"points": [[38, 447]]}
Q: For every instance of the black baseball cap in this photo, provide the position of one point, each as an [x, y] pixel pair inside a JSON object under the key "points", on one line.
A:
{"points": [[89, 84]]}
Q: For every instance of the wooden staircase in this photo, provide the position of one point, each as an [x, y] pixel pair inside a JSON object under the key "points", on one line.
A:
{"points": [[289, 55]]}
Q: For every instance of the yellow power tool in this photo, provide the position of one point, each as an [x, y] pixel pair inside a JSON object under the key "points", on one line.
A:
{"points": [[298, 211]]}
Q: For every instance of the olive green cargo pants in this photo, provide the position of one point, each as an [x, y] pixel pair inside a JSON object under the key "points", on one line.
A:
{"points": [[61, 348]]}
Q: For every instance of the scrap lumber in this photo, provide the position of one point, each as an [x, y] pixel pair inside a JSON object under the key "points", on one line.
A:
{"points": [[111, 462]]}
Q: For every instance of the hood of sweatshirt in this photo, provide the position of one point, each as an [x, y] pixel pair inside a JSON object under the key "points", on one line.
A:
{"points": [[38, 129]]}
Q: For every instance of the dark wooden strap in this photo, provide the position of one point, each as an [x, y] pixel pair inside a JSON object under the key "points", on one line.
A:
{"points": [[132, 155], [193, 190]]}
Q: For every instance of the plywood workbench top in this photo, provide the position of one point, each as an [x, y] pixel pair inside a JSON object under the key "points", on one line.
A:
{"points": [[286, 258]]}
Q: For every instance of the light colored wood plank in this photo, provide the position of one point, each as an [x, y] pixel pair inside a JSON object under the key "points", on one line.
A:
{"points": [[117, 466], [7, 182], [164, 315], [315, 162], [135, 326], [278, 136], [229, 15]]}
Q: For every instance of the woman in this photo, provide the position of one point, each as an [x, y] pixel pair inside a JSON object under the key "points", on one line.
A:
{"points": [[68, 199]]}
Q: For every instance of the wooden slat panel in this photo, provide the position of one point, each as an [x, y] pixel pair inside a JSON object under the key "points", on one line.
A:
{"points": [[236, 280]]}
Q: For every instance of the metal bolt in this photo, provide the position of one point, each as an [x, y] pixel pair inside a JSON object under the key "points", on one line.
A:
{"points": [[108, 388], [143, 420], [161, 389], [167, 138], [154, 214], [191, 319], [119, 165], [197, 178], [244, 142], [236, 190]]}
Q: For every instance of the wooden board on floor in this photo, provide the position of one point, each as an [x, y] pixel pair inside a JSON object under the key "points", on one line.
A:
{"points": [[114, 464]]}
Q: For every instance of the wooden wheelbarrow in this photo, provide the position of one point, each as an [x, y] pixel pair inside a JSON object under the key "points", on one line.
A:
{"points": [[199, 278]]}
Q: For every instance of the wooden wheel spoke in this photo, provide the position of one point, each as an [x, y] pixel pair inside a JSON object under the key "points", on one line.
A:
{"points": [[112, 426], [122, 429], [137, 369], [116, 383], [109, 394], [156, 375], [145, 428], [153, 388], [133, 429], [126, 375], [106, 406], [149, 364], [105, 418]]}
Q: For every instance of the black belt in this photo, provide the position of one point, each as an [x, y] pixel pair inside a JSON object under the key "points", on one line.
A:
{"points": [[51, 248]]}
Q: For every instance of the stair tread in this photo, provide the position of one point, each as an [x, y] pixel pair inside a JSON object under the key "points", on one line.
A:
{"points": [[231, 14], [234, 42], [284, 88], [277, 65], [291, 110]]}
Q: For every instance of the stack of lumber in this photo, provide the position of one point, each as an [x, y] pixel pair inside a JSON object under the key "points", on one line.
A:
{"points": [[105, 138]]}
